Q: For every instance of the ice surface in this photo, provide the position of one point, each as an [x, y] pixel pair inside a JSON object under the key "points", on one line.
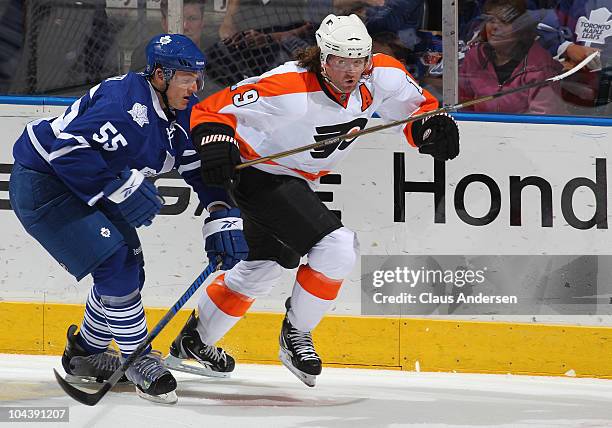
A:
{"points": [[269, 396]]}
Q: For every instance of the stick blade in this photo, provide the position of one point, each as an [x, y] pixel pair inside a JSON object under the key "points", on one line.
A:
{"points": [[594, 56], [82, 396]]}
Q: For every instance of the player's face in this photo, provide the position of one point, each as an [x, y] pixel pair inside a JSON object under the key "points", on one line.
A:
{"points": [[182, 86], [345, 72]]}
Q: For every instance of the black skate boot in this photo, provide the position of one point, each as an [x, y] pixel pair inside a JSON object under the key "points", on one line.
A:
{"points": [[297, 352], [82, 367], [153, 381], [189, 354]]}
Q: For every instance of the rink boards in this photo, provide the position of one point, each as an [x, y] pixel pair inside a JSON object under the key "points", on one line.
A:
{"points": [[517, 189]]}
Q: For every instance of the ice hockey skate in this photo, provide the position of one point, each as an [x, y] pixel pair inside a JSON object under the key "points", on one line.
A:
{"points": [[189, 354], [153, 381], [84, 368], [297, 352]]}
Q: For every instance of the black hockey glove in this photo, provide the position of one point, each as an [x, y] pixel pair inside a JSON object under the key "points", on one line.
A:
{"points": [[219, 155], [437, 136]]}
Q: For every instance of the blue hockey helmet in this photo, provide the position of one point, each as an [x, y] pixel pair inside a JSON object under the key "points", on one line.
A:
{"points": [[172, 52]]}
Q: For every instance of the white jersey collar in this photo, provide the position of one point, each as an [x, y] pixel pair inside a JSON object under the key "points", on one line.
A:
{"points": [[156, 105]]}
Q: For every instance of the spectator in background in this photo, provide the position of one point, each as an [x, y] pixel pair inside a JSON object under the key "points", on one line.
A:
{"points": [[557, 27], [507, 57], [193, 27], [402, 17], [193, 19], [53, 47], [257, 35], [588, 27]]}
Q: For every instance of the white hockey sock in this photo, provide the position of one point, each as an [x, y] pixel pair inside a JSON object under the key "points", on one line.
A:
{"points": [[313, 294], [219, 309]]}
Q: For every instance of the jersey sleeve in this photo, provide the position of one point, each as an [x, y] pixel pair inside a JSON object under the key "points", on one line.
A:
{"points": [[188, 163], [188, 166], [403, 97], [76, 155]]}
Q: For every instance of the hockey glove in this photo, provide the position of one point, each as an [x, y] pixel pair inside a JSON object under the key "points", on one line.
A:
{"points": [[223, 238], [137, 199], [437, 136], [219, 155]]}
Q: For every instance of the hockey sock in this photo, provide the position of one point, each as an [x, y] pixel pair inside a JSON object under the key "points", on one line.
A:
{"points": [[117, 282], [220, 308], [313, 294], [126, 320], [94, 335]]}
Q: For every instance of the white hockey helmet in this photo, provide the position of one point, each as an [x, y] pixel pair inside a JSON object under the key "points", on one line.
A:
{"points": [[343, 36]]}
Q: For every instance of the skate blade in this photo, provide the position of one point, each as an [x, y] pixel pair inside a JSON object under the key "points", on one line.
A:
{"points": [[89, 380], [167, 398], [191, 366], [308, 379], [81, 380]]}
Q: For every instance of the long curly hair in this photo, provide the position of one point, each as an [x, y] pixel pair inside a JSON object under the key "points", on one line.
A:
{"points": [[309, 58]]}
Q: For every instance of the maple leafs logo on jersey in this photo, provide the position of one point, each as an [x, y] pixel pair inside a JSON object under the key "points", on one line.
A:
{"points": [[139, 114], [325, 132], [165, 40]]}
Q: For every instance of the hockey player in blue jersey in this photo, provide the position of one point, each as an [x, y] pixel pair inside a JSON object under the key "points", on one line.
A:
{"points": [[79, 188]]}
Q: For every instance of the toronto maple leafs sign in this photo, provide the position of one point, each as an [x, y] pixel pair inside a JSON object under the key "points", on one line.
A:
{"points": [[596, 28]]}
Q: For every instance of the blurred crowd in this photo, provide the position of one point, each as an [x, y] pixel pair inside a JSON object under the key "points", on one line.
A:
{"points": [[60, 47]]}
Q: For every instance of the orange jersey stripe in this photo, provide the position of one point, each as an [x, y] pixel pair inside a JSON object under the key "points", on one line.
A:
{"points": [[318, 284], [229, 301], [208, 109]]}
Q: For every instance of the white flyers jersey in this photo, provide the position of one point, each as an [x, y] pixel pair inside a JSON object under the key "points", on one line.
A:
{"points": [[290, 107]]}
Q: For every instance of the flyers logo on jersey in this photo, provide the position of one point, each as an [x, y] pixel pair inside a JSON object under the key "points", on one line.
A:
{"points": [[366, 97], [325, 132]]}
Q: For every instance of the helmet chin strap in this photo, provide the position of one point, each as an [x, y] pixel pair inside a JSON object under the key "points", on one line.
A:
{"points": [[329, 81]]}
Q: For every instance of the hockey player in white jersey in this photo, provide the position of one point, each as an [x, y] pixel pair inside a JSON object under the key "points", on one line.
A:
{"points": [[332, 89], [78, 187]]}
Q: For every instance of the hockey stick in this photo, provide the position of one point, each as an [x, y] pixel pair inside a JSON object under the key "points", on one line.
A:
{"points": [[92, 399], [447, 109]]}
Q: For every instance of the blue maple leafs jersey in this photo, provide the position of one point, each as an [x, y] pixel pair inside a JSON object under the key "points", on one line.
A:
{"points": [[119, 124]]}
